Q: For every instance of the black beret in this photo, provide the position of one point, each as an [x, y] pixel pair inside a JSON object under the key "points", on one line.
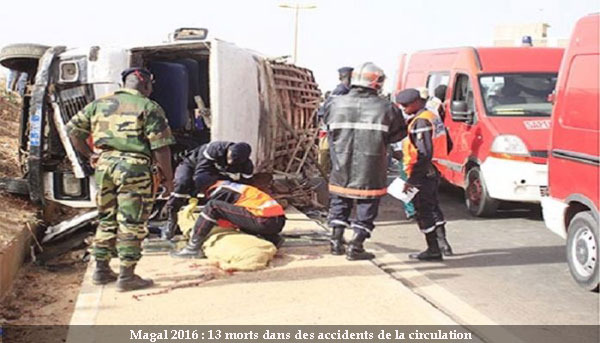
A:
{"points": [[240, 152], [345, 70], [141, 70], [407, 96]]}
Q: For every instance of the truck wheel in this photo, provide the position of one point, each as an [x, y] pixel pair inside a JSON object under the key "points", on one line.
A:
{"points": [[22, 57], [582, 250], [477, 199]]}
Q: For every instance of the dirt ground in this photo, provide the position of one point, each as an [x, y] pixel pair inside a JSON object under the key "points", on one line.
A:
{"points": [[14, 211], [39, 295], [44, 295]]}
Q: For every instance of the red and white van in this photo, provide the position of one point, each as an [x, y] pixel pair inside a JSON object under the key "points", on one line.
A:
{"points": [[571, 210], [497, 114]]}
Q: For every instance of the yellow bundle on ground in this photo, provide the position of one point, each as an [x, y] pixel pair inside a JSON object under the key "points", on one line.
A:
{"points": [[230, 248]]}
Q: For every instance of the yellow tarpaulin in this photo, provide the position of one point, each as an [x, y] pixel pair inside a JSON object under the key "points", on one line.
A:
{"points": [[232, 249]]}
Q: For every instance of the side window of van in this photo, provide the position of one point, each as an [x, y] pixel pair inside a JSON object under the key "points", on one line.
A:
{"points": [[436, 79], [463, 91], [580, 107]]}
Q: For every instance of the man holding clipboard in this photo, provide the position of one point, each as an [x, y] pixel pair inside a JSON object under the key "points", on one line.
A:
{"points": [[427, 141]]}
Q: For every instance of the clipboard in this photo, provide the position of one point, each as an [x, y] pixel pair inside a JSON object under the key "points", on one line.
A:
{"points": [[396, 188]]}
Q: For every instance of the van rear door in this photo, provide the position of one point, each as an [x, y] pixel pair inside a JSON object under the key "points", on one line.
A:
{"points": [[234, 84]]}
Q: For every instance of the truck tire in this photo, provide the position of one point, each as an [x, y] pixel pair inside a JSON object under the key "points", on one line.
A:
{"points": [[477, 197], [582, 250], [22, 57]]}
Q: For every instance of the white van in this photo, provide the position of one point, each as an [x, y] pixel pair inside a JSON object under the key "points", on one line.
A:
{"points": [[250, 98]]}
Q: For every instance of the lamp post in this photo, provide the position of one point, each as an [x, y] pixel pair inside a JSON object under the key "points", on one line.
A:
{"points": [[297, 7]]}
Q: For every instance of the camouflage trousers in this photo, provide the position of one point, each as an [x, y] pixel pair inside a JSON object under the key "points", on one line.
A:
{"points": [[124, 203]]}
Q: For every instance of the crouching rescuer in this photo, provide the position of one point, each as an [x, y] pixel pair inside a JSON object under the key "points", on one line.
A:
{"points": [[232, 204], [129, 132], [427, 141], [360, 126], [201, 167]]}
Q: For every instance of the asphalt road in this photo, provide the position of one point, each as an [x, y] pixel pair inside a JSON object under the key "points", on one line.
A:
{"points": [[508, 270]]}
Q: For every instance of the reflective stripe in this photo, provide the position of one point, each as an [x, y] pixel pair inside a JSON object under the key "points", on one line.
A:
{"points": [[233, 176], [440, 223], [429, 229], [358, 192], [268, 204], [247, 176], [205, 153], [358, 226], [205, 216], [339, 222], [424, 129], [359, 126], [227, 185], [179, 195]]}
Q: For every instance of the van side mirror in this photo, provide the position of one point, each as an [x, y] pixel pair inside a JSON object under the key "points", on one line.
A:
{"points": [[460, 111], [551, 97]]}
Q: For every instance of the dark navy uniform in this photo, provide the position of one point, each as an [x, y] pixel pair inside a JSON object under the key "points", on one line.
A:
{"points": [[201, 168], [426, 144]]}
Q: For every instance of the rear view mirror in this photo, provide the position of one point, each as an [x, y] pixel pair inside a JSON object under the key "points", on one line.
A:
{"points": [[460, 111]]}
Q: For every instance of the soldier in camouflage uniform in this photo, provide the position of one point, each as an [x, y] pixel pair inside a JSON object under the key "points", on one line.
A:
{"points": [[129, 131]]}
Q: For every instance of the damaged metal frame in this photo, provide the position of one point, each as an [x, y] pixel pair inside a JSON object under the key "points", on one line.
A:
{"points": [[287, 127]]}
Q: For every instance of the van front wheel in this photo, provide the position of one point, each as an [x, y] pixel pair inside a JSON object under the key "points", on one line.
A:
{"points": [[582, 250], [477, 199]]}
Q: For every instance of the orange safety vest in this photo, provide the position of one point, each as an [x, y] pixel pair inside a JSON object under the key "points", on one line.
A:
{"points": [[251, 198], [440, 143]]}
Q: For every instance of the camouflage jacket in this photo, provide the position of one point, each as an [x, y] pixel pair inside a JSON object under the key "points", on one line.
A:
{"points": [[125, 121]]}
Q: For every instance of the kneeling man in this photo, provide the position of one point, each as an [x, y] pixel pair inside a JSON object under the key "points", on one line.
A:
{"points": [[236, 205]]}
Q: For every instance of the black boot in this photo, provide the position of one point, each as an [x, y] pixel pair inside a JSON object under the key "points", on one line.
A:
{"points": [[103, 274], [276, 239], [129, 281], [168, 230], [173, 206], [432, 253], [355, 250], [337, 241], [442, 241], [194, 247]]}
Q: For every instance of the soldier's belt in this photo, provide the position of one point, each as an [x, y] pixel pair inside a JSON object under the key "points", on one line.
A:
{"points": [[133, 157]]}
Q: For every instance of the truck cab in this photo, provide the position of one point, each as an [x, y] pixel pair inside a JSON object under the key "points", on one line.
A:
{"points": [[571, 207], [497, 114]]}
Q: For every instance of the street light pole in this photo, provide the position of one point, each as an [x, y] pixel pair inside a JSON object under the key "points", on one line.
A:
{"points": [[297, 7]]}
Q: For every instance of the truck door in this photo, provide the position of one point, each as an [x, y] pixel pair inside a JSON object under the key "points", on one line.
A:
{"points": [[235, 104], [462, 128]]}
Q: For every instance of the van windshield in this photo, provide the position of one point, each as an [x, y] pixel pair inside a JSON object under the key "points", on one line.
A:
{"points": [[523, 94]]}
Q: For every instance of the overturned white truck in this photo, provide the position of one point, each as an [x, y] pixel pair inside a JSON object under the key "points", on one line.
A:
{"points": [[248, 97]]}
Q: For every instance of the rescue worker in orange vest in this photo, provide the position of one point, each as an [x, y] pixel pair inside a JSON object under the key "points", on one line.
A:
{"points": [[233, 204], [427, 141], [360, 126]]}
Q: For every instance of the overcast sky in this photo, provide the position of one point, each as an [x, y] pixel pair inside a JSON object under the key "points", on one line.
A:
{"points": [[335, 33]]}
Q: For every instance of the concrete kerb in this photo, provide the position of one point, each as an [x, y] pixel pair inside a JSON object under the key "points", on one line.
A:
{"points": [[11, 259]]}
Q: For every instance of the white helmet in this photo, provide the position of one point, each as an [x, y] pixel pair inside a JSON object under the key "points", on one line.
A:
{"points": [[368, 75]]}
